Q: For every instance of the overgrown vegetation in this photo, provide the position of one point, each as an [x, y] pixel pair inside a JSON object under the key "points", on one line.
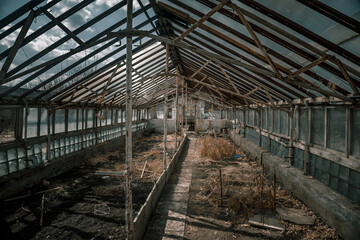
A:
{"points": [[217, 148]]}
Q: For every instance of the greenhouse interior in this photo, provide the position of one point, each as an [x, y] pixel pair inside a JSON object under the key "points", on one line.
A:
{"points": [[179, 119]]}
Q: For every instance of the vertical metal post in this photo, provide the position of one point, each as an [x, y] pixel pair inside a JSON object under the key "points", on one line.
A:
{"points": [[48, 143], [348, 132], [259, 123], [291, 126], [307, 135], [165, 105], [268, 110], [186, 104], [182, 107], [25, 134], [176, 111], [128, 138]]}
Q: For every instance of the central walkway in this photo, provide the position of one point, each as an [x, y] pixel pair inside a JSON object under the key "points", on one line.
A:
{"points": [[168, 222]]}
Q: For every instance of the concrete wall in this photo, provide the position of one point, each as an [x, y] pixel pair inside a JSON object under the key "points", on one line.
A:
{"points": [[17, 182], [202, 125], [336, 210], [143, 216], [158, 125]]}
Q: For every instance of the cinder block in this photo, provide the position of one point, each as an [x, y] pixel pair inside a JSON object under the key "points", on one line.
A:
{"points": [[334, 169], [325, 165], [354, 178], [325, 178], [334, 181], [318, 162], [343, 188], [312, 170], [344, 173], [318, 174], [354, 194]]}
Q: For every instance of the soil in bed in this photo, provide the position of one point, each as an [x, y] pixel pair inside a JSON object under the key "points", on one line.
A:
{"points": [[246, 191], [85, 205]]}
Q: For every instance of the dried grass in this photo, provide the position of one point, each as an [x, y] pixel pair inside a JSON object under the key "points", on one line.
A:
{"points": [[217, 148], [246, 192]]}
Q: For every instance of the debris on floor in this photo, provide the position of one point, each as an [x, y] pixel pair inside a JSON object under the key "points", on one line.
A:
{"points": [[297, 216], [266, 221]]}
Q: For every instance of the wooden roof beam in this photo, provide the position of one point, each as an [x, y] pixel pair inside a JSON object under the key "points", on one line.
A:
{"points": [[256, 39], [307, 67], [346, 76], [203, 19]]}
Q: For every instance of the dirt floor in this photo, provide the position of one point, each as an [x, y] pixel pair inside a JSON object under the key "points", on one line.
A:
{"points": [[85, 205], [245, 192]]}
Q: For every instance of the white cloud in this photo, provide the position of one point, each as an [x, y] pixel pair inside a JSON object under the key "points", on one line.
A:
{"points": [[9, 40], [109, 3]]}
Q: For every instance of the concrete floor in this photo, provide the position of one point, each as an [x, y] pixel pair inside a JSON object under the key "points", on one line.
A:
{"points": [[168, 222]]}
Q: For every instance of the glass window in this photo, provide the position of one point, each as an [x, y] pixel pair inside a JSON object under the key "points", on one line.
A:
{"points": [[283, 123], [60, 120], [80, 120], [355, 137], [7, 124], [302, 117], [72, 120], [276, 120], [43, 121], [337, 129], [32, 120], [90, 118], [317, 125]]}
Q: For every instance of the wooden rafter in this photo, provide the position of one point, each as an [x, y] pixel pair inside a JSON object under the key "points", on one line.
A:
{"points": [[346, 76], [62, 26], [256, 39], [203, 19], [307, 67], [201, 68], [252, 91]]}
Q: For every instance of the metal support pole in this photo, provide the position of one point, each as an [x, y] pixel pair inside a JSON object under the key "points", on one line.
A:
{"points": [[176, 112], [165, 105], [307, 135], [291, 126], [128, 138], [268, 110], [186, 104], [48, 142], [25, 134], [182, 107], [259, 123]]}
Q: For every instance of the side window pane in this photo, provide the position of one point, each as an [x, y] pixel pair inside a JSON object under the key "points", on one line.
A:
{"points": [[337, 122], [317, 126]]}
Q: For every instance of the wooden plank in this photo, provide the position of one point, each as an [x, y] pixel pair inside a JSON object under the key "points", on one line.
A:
{"points": [[266, 221], [203, 19]]}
